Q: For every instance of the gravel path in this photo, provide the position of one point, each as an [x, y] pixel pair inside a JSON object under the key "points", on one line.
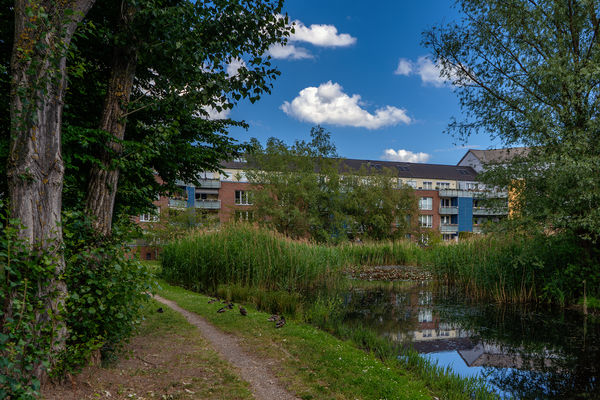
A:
{"points": [[264, 385]]}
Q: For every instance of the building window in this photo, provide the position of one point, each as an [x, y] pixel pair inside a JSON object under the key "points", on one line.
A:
{"points": [[442, 185], [426, 203], [243, 197], [425, 315], [446, 202], [427, 185], [151, 217], [446, 220], [244, 216], [471, 186], [426, 221], [412, 184]]}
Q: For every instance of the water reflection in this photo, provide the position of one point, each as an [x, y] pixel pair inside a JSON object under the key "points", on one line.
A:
{"points": [[522, 352]]}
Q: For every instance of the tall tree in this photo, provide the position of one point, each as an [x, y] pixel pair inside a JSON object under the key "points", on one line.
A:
{"points": [[527, 72], [43, 30], [303, 190], [181, 60]]}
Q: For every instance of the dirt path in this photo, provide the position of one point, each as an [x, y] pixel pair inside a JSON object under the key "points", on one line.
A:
{"points": [[264, 385]]}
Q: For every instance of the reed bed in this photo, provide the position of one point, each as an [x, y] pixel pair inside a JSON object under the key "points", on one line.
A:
{"points": [[381, 253], [251, 257], [511, 269], [502, 268]]}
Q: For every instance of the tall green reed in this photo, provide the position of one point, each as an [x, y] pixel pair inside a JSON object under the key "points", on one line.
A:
{"points": [[512, 268]]}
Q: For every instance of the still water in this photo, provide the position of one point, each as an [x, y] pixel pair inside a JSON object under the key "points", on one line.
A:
{"points": [[522, 352]]}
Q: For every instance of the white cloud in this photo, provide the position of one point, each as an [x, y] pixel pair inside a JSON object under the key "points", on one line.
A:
{"points": [[320, 35], [214, 114], [317, 35], [405, 67], [329, 104], [404, 155], [426, 69], [234, 66], [289, 51]]}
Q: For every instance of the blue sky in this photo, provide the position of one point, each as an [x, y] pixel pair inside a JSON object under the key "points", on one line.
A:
{"points": [[343, 49]]}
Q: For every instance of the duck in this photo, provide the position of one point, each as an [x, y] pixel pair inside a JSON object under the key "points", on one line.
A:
{"points": [[273, 318], [280, 322], [160, 310], [230, 306], [243, 311], [212, 301], [222, 310]]}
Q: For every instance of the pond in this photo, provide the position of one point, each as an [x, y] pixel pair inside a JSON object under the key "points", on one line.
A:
{"points": [[522, 352]]}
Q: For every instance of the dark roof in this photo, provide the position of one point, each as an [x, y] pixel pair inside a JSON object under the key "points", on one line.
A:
{"points": [[495, 156], [404, 169], [416, 170]]}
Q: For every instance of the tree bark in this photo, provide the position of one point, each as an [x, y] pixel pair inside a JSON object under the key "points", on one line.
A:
{"points": [[43, 32], [102, 187]]}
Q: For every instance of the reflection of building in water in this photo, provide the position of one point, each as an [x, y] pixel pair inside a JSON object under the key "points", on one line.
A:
{"points": [[487, 354], [430, 329]]}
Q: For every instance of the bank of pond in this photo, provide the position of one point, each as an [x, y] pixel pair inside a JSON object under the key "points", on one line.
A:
{"points": [[491, 322]]}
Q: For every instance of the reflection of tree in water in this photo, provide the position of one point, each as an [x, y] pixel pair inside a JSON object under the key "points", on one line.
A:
{"points": [[555, 354], [383, 309]]}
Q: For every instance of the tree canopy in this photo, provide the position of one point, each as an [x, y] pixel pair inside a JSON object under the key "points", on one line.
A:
{"points": [[303, 191], [527, 72], [195, 60]]}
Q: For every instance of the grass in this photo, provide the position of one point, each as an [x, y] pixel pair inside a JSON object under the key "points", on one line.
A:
{"points": [[316, 365]]}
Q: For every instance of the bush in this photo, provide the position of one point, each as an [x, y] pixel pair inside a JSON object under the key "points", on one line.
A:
{"points": [[105, 294], [106, 289], [24, 343]]}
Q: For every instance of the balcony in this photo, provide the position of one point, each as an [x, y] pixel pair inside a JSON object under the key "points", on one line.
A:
{"points": [[449, 228], [477, 229], [209, 183], [490, 211], [452, 210], [208, 204], [177, 203], [455, 193]]}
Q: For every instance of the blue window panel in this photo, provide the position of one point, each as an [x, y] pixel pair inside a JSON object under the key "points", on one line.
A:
{"points": [[191, 194], [454, 202], [465, 214]]}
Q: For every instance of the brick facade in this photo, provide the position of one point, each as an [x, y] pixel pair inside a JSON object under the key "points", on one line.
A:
{"points": [[227, 197]]}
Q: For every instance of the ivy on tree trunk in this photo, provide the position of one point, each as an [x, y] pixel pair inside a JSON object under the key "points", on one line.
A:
{"points": [[43, 32]]}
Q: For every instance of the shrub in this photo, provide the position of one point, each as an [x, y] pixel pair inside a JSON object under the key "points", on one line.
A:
{"points": [[24, 342], [106, 293]]}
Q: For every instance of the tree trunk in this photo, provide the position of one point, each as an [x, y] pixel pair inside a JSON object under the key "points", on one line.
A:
{"points": [[102, 187], [43, 32]]}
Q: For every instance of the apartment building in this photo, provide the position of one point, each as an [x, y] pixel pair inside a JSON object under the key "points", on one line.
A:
{"points": [[450, 200]]}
